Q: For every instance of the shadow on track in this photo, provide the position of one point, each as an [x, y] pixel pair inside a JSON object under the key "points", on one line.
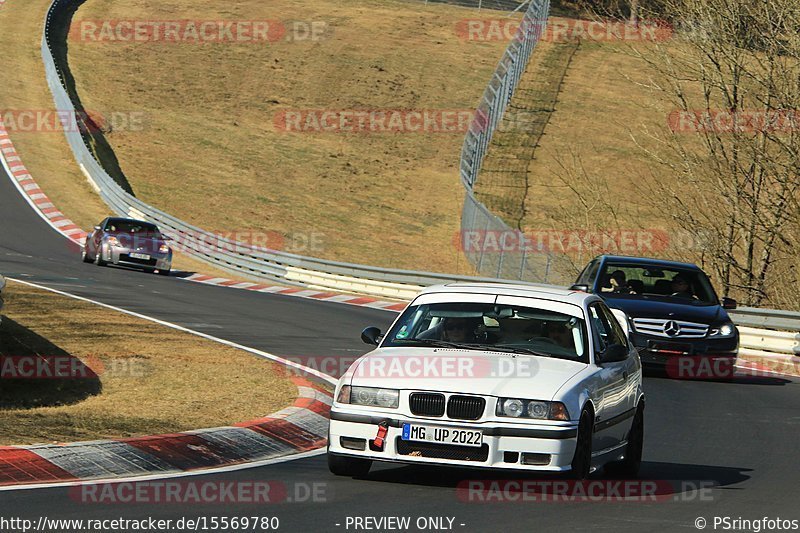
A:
{"points": [[36, 373], [740, 377], [663, 479]]}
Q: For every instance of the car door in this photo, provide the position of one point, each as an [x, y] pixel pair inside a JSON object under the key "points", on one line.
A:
{"points": [[611, 419]]}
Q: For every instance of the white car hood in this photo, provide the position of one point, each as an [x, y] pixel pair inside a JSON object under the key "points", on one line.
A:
{"points": [[463, 371]]}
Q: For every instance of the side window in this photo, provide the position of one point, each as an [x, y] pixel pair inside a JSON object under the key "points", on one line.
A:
{"points": [[617, 334], [589, 273], [592, 276], [606, 329]]}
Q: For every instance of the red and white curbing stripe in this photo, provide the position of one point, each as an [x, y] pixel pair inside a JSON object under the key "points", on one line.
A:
{"points": [[322, 296], [777, 364], [31, 191], [300, 428]]}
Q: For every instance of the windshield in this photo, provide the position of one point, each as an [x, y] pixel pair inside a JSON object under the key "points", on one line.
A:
{"points": [[142, 229], [491, 327], [647, 281]]}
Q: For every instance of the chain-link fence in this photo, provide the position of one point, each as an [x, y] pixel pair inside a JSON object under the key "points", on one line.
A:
{"points": [[489, 243], [500, 5]]}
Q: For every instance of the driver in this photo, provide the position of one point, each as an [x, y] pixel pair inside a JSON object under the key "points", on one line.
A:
{"points": [[459, 329], [680, 287]]}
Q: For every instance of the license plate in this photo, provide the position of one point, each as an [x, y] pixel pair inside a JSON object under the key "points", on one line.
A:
{"points": [[669, 348], [443, 435], [140, 256]]}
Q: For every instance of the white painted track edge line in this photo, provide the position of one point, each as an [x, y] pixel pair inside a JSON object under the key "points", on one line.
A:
{"points": [[330, 379]]}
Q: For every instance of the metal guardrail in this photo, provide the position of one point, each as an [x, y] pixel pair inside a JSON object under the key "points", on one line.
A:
{"points": [[767, 332], [231, 256]]}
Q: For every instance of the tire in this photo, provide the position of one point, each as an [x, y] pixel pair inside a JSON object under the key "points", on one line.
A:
{"points": [[582, 461], [348, 466], [97, 257], [163, 272], [84, 255], [629, 466]]}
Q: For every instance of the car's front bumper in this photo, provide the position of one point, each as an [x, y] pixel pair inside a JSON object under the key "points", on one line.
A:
{"points": [[120, 255], [660, 351], [555, 443]]}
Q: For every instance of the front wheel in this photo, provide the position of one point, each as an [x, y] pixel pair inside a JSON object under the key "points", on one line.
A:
{"points": [[164, 272], [98, 257], [629, 466], [348, 466], [582, 462], [84, 255]]}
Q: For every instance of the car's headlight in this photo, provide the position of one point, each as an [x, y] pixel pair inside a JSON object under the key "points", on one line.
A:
{"points": [[113, 241], [725, 330], [164, 249], [374, 397], [535, 409]]}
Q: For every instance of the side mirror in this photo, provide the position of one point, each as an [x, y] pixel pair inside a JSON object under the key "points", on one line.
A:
{"points": [[729, 303], [371, 335], [580, 287], [614, 354], [97, 228]]}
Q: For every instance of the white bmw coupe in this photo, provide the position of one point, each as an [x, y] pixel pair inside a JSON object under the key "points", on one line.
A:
{"points": [[495, 376]]}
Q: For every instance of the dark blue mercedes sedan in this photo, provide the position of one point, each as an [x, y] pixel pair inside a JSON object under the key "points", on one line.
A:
{"points": [[672, 313]]}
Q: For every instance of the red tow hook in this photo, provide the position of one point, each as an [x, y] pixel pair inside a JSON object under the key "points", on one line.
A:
{"points": [[380, 439]]}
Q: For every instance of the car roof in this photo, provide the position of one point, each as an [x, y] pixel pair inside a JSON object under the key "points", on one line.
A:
{"points": [[663, 263], [543, 292], [136, 220]]}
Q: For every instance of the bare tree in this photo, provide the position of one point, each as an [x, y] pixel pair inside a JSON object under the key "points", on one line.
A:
{"points": [[732, 71]]}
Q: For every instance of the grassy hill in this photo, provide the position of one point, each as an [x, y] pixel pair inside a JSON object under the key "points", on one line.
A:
{"points": [[213, 149]]}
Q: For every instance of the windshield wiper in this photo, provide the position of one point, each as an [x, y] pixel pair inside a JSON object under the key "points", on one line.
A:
{"points": [[482, 347], [519, 349], [440, 343]]}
